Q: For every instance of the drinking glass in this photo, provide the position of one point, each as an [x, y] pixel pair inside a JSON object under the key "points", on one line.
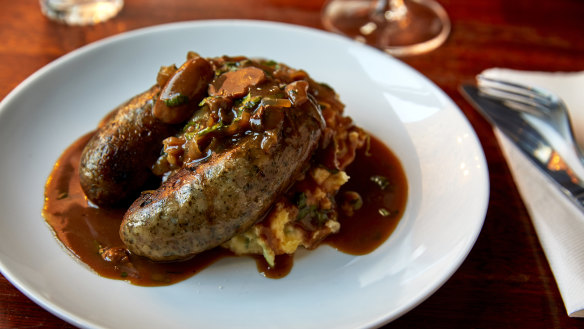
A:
{"points": [[81, 12], [400, 27]]}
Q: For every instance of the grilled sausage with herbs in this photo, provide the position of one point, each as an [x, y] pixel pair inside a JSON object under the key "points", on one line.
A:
{"points": [[244, 147]]}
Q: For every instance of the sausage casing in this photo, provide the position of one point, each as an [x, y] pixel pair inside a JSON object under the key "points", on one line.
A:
{"points": [[117, 160], [202, 206]]}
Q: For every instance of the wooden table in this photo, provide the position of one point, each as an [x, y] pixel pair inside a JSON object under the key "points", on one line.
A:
{"points": [[506, 280]]}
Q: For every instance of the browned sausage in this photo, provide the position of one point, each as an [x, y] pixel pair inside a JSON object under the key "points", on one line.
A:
{"points": [[202, 206], [117, 161]]}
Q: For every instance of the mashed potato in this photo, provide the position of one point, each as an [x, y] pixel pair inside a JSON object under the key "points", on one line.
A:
{"points": [[301, 221]]}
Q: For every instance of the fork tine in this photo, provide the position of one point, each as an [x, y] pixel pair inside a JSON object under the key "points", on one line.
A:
{"points": [[521, 101], [535, 94], [530, 108], [510, 95]]}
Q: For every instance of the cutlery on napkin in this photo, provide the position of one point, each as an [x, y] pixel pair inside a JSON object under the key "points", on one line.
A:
{"points": [[559, 224]]}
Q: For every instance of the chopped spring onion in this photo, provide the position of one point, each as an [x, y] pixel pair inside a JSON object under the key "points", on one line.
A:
{"points": [[384, 212], [381, 181]]}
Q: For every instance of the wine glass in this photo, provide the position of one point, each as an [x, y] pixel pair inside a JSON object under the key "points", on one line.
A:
{"points": [[400, 27]]}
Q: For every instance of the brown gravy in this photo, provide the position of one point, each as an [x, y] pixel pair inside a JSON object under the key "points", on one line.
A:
{"points": [[85, 229], [382, 208]]}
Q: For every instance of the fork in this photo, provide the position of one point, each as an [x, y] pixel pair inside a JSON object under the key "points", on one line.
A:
{"points": [[534, 101]]}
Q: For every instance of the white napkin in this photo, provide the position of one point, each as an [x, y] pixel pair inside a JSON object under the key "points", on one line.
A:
{"points": [[559, 224]]}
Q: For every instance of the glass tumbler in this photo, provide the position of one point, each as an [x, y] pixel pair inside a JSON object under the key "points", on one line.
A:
{"points": [[81, 12]]}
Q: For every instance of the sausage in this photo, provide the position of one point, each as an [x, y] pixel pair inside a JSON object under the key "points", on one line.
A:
{"points": [[117, 161], [202, 206]]}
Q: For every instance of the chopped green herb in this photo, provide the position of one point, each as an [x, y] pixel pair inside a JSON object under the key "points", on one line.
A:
{"points": [[206, 100], [227, 66], [250, 102], [176, 100], [305, 211], [195, 124], [303, 208], [124, 274], [231, 66], [321, 216], [384, 212], [205, 131], [300, 199], [271, 63], [381, 181]]}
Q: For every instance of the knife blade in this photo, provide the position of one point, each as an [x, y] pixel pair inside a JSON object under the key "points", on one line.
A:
{"points": [[530, 141]]}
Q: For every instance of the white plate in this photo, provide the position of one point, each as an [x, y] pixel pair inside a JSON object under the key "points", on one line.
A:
{"points": [[444, 164]]}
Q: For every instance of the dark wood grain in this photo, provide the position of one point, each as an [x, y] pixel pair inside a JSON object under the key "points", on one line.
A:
{"points": [[506, 281]]}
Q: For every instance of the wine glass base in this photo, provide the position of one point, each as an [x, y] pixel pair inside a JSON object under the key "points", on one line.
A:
{"points": [[420, 26], [81, 12]]}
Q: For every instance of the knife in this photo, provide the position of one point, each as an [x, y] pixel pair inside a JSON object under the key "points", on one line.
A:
{"points": [[530, 141]]}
